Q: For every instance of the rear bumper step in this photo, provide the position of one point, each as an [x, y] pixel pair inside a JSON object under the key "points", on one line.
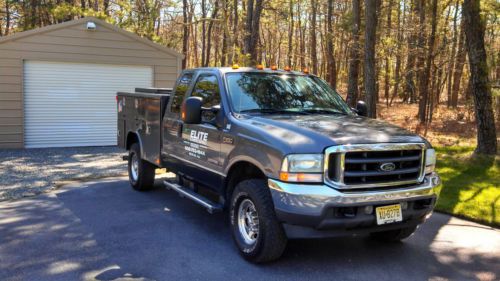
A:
{"points": [[211, 207]]}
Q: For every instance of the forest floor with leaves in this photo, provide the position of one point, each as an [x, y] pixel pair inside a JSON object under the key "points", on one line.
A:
{"points": [[470, 184]]}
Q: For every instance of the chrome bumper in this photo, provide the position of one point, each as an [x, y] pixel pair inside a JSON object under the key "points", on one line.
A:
{"points": [[311, 200]]}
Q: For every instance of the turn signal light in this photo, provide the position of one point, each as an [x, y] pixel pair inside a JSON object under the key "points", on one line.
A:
{"points": [[300, 177], [235, 66], [259, 67], [274, 67]]}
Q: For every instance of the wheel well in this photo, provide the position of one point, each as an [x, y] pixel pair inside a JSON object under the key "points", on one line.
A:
{"points": [[131, 139], [239, 172]]}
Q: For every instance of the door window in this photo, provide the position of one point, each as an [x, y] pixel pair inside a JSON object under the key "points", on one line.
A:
{"points": [[180, 91], [207, 88]]}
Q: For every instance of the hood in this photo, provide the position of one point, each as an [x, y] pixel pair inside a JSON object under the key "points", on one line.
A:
{"points": [[312, 133]]}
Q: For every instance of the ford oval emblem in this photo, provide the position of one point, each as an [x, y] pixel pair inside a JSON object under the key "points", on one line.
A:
{"points": [[387, 167]]}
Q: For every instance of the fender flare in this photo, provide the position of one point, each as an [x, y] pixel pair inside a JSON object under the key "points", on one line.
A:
{"points": [[244, 156], [138, 136]]}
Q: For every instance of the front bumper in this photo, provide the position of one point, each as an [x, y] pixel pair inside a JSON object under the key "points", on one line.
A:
{"points": [[308, 210]]}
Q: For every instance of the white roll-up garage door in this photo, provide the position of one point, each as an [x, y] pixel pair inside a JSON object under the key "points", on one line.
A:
{"points": [[74, 104]]}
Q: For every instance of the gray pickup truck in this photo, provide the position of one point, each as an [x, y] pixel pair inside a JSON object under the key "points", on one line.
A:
{"points": [[282, 152]]}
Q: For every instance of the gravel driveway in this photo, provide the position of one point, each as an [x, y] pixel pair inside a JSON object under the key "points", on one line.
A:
{"points": [[26, 172]]}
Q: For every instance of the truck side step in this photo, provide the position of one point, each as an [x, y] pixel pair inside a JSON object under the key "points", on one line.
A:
{"points": [[211, 207]]}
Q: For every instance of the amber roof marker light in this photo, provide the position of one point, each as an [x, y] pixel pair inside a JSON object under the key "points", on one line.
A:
{"points": [[287, 68], [305, 70], [260, 67], [235, 66], [274, 67]]}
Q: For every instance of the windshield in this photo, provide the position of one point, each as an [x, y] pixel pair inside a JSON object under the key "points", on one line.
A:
{"points": [[278, 93]]}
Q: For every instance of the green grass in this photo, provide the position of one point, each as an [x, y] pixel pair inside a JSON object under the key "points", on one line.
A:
{"points": [[470, 185]]}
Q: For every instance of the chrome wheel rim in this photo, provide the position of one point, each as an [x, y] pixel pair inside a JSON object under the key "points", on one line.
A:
{"points": [[248, 222], [134, 167]]}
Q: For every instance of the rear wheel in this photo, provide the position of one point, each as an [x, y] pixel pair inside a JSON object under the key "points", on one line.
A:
{"points": [[256, 231], [393, 235], [141, 173]]}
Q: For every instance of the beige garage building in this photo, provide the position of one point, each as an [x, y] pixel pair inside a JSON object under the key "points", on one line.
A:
{"points": [[58, 83]]}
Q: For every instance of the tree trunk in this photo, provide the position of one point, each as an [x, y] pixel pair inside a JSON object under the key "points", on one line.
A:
{"points": [[312, 48], [451, 66], [225, 36], [398, 57], [331, 72], [210, 35], [302, 39], [252, 27], [185, 34], [387, 83], [290, 34], [426, 75], [354, 56], [410, 88], [421, 48], [203, 31], [481, 91], [7, 18], [106, 7], [459, 66], [369, 73]]}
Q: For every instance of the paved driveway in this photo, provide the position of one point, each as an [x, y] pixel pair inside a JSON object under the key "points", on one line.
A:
{"points": [[106, 231]]}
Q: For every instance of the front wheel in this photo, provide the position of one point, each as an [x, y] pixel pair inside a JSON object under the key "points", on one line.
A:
{"points": [[393, 235], [141, 173], [256, 231]]}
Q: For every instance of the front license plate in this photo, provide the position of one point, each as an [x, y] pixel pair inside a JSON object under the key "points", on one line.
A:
{"points": [[388, 214]]}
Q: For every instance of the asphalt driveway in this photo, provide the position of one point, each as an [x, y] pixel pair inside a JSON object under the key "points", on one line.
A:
{"points": [[105, 231]]}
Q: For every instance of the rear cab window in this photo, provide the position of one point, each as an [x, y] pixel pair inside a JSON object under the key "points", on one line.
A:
{"points": [[180, 91]]}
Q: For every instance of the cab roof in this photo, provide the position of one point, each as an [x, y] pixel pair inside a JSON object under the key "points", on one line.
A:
{"points": [[224, 70]]}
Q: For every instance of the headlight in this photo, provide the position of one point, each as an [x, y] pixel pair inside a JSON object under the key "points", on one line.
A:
{"points": [[430, 161], [302, 168]]}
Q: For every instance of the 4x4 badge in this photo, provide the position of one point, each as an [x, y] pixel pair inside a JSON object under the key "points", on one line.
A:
{"points": [[387, 167]]}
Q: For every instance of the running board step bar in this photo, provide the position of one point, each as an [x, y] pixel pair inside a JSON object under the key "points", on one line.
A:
{"points": [[211, 207]]}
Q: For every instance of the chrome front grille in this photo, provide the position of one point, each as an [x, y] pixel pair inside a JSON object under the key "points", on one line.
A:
{"points": [[374, 165]]}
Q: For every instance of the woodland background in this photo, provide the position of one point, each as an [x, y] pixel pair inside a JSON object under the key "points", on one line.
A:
{"points": [[407, 59]]}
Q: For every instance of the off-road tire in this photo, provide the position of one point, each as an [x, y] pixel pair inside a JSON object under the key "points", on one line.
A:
{"points": [[394, 235], [146, 171], [271, 240]]}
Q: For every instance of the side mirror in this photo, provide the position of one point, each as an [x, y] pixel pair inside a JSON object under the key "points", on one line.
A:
{"points": [[191, 110], [361, 108]]}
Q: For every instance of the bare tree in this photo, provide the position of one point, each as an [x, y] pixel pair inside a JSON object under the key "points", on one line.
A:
{"points": [[354, 56], [425, 90], [480, 86], [331, 72], [458, 66], [314, 55], [185, 33], [369, 73], [252, 27], [290, 33]]}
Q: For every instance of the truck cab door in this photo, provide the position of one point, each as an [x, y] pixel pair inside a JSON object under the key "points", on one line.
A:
{"points": [[202, 142], [172, 125]]}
